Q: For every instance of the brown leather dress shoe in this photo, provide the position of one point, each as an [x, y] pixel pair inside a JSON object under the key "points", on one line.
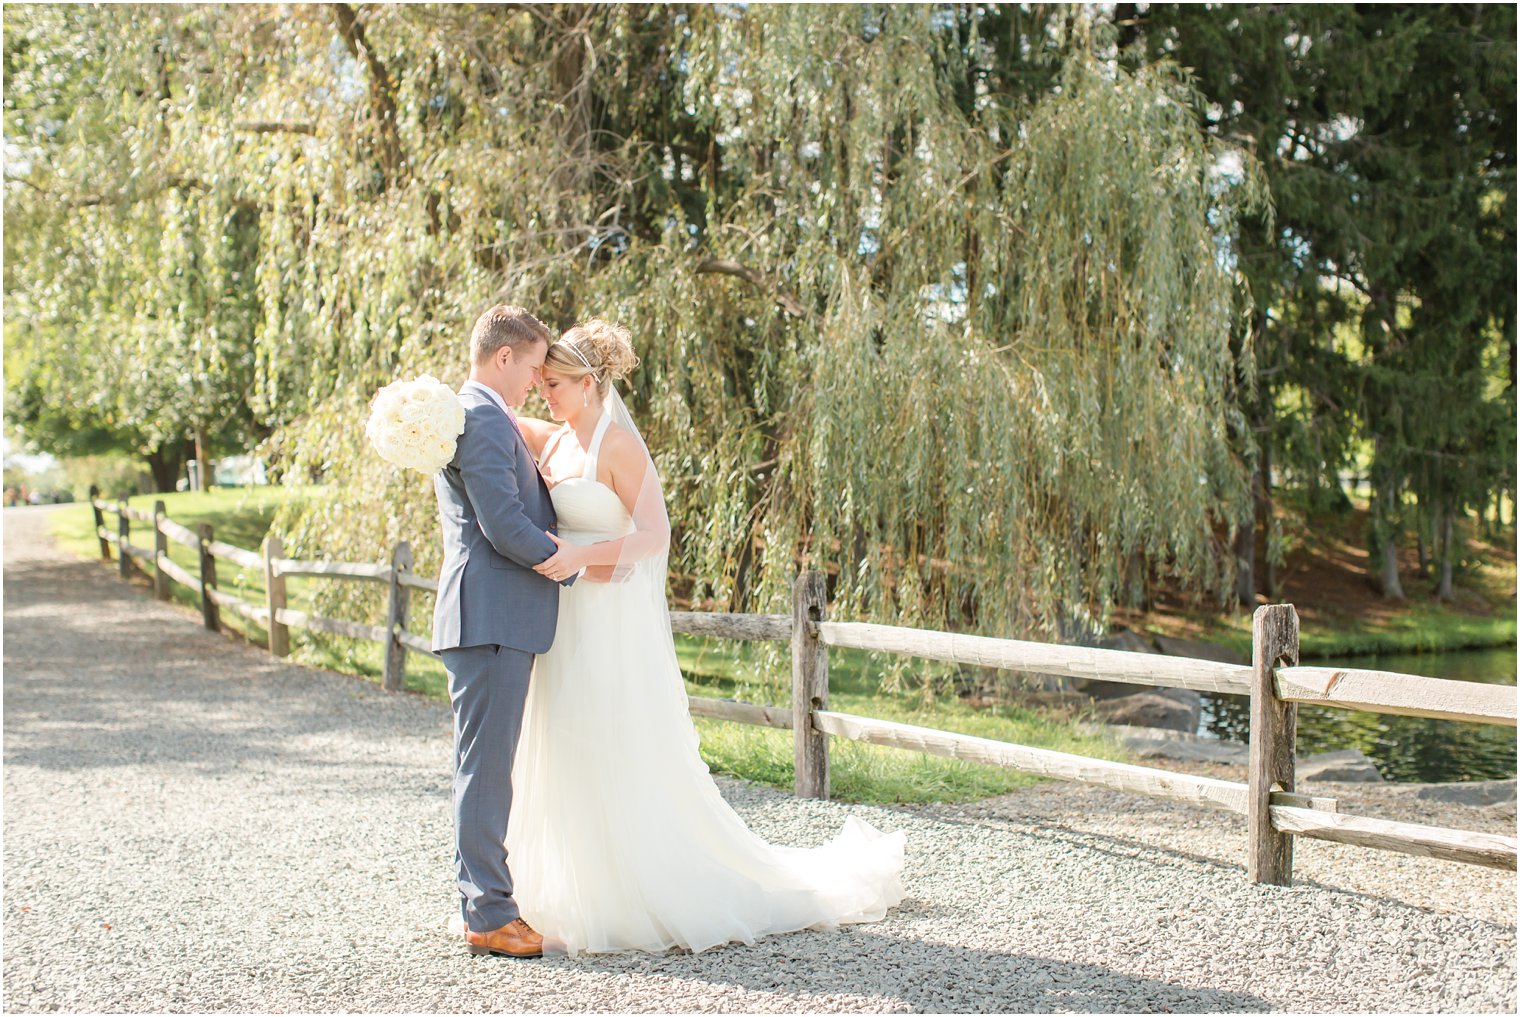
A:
{"points": [[515, 939]]}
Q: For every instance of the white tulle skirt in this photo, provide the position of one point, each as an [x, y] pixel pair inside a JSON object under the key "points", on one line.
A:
{"points": [[619, 840]]}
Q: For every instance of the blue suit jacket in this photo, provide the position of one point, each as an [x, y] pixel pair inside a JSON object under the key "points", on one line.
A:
{"points": [[494, 508]]}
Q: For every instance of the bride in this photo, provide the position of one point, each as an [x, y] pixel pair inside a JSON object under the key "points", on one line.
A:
{"points": [[619, 839]]}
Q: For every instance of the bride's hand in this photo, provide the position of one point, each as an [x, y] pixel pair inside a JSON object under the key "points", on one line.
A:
{"points": [[607, 573], [566, 562]]}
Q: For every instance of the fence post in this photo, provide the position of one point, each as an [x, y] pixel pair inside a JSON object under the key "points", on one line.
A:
{"points": [[274, 589], [100, 523], [123, 530], [208, 578], [810, 686], [395, 619], [160, 548], [1274, 640]]}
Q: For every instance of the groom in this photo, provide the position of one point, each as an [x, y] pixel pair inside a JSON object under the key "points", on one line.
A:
{"points": [[493, 613]]}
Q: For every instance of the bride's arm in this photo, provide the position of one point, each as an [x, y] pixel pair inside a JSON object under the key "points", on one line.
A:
{"points": [[537, 433], [632, 476]]}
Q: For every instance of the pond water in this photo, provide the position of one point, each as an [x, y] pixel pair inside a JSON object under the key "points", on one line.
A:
{"points": [[1402, 748]]}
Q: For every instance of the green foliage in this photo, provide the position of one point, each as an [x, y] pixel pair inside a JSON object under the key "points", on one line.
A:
{"points": [[937, 300], [1385, 285], [115, 475], [129, 254]]}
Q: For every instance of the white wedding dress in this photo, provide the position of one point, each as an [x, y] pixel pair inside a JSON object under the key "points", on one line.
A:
{"points": [[619, 840]]}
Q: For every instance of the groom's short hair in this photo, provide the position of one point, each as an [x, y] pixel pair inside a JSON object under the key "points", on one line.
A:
{"points": [[505, 325]]}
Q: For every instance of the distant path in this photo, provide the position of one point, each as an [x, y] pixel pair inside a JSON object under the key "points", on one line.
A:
{"points": [[191, 824]]}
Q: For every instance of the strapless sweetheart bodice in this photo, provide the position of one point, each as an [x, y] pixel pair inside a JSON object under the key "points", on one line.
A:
{"points": [[589, 511]]}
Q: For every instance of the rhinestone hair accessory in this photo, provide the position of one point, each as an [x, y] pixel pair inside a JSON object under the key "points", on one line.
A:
{"points": [[574, 349]]}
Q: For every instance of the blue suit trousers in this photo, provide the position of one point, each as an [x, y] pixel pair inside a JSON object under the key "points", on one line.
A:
{"points": [[488, 689]]}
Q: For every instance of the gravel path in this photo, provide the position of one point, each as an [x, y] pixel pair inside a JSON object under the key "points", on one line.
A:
{"points": [[191, 825]]}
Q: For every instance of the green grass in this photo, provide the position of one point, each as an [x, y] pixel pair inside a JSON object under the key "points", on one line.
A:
{"points": [[238, 516], [712, 668], [721, 669], [241, 517], [1418, 626], [1423, 627], [859, 772]]}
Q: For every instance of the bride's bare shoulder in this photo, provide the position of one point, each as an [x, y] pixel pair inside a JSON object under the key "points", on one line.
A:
{"points": [[623, 452], [620, 444]]}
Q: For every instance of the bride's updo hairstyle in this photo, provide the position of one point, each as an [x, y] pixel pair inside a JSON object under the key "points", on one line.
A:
{"points": [[599, 348]]}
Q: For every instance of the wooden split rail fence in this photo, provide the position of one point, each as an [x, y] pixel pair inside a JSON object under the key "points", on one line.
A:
{"points": [[1275, 813], [274, 615]]}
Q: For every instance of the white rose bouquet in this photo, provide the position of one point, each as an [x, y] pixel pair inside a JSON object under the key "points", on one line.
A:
{"points": [[414, 424]]}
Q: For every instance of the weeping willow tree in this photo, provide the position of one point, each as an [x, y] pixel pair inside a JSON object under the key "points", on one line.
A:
{"points": [[962, 347], [129, 296]]}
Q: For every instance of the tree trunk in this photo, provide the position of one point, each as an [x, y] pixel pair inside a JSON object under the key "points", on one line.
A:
{"points": [[1137, 589], [1392, 588], [382, 100], [1444, 592], [1127, 17], [1270, 584], [200, 462], [1245, 553], [165, 462], [1434, 539], [1425, 549], [1245, 540]]}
